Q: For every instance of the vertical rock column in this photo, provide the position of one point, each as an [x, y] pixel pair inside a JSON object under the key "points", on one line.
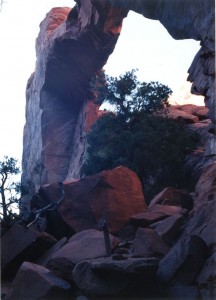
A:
{"points": [[71, 47]]}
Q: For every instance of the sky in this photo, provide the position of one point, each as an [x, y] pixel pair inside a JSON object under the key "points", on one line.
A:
{"points": [[143, 44]]}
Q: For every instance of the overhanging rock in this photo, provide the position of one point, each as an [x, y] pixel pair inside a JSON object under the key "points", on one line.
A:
{"points": [[73, 45]]}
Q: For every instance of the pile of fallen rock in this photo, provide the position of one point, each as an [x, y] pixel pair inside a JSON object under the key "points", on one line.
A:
{"points": [[165, 249]]}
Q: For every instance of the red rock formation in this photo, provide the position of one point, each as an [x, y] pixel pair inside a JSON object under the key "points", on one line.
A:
{"points": [[114, 195], [174, 197], [71, 48]]}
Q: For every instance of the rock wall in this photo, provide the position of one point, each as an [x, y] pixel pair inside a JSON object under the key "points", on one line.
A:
{"points": [[71, 47]]}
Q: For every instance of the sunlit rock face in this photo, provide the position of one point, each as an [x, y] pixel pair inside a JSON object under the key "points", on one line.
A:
{"points": [[184, 96], [71, 47]]}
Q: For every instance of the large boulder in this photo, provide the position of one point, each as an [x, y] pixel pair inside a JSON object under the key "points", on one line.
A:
{"points": [[187, 258], [20, 244], [114, 195], [156, 213], [105, 276], [180, 115], [174, 197], [147, 243], [184, 261], [169, 228], [34, 282], [87, 244]]}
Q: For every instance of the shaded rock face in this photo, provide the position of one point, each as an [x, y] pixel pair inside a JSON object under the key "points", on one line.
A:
{"points": [[19, 244], [36, 282], [71, 47]]}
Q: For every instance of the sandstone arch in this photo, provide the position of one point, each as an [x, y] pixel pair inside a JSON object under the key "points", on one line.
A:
{"points": [[71, 47]]}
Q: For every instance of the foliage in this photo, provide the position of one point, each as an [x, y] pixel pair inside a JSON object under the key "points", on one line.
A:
{"points": [[153, 146], [128, 95], [9, 190]]}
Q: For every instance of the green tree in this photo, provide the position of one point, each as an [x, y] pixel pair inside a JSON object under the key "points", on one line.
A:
{"points": [[135, 136], [128, 95], [10, 190]]}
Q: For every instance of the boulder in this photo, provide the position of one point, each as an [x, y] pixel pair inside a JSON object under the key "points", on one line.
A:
{"points": [[114, 195], [156, 213], [43, 260], [110, 277], [184, 261], [200, 111], [87, 244], [34, 282], [169, 228], [147, 243], [178, 114], [20, 244], [174, 197]]}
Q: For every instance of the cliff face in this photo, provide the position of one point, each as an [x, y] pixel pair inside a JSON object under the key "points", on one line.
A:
{"points": [[71, 47]]}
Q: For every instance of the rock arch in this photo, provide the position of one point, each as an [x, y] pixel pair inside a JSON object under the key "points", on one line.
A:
{"points": [[71, 47]]}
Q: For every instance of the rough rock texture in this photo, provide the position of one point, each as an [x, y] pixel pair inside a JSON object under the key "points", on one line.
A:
{"points": [[169, 228], [20, 244], [156, 213], [206, 186], [114, 195], [174, 197], [87, 244], [184, 262], [71, 48], [110, 277], [36, 282], [147, 243], [202, 225]]}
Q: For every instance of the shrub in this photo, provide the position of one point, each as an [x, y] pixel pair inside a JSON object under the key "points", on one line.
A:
{"points": [[135, 136]]}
